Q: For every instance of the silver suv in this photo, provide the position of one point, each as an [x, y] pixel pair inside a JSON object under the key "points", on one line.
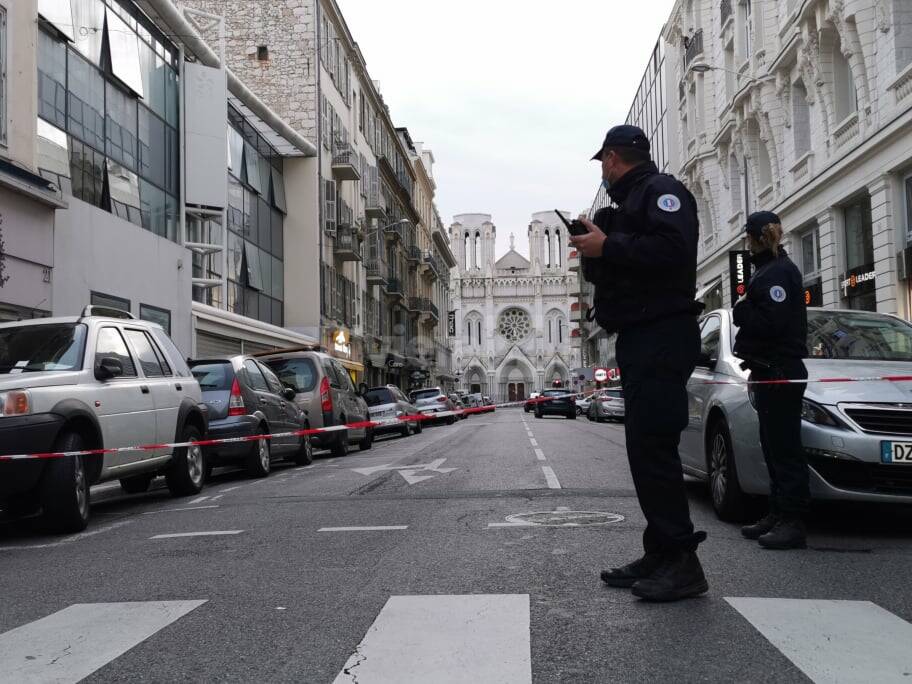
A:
{"points": [[102, 380], [324, 389]]}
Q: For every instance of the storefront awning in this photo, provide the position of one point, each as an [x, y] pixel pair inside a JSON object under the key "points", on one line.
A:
{"points": [[706, 288], [351, 365]]}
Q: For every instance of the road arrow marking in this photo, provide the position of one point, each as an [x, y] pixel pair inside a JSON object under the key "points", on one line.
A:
{"points": [[410, 477], [410, 472]]}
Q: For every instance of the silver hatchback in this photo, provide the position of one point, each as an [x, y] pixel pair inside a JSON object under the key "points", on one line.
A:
{"points": [[857, 435]]}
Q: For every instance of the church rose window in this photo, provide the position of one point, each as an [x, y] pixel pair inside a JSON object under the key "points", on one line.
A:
{"points": [[514, 325]]}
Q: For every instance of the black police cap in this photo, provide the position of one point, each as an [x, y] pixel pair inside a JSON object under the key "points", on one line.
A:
{"points": [[757, 221], [624, 136]]}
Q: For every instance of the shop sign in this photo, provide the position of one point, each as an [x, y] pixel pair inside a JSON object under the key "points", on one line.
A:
{"points": [[393, 364], [420, 375], [451, 323], [739, 272], [858, 280], [614, 374], [341, 343], [813, 293]]}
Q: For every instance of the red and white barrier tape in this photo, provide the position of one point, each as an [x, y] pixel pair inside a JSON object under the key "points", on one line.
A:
{"points": [[414, 418]]}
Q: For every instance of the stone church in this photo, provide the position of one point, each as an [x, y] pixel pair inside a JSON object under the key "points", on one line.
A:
{"points": [[512, 327]]}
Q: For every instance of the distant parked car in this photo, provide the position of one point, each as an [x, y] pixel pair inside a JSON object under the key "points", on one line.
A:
{"points": [[324, 389], [388, 403], [431, 401], [530, 402], [556, 402], [100, 380], [607, 405], [246, 399], [460, 406], [857, 436]]}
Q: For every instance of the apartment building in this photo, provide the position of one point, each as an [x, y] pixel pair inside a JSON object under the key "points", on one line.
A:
{"points": [[134, 132], [803, 107], [360, 247]]}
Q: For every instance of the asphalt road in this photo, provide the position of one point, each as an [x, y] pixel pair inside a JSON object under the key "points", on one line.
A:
{"points": [[454, 591]]}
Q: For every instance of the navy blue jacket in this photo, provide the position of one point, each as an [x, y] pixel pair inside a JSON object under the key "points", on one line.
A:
{"points": [[772, 315], [648, 267]]}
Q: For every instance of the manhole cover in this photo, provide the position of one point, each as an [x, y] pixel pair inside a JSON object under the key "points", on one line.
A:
{"points": [[565, 518]]}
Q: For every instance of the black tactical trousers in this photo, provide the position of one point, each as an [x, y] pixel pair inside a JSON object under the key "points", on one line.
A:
{"points": [[779, 411], [656, 359]]}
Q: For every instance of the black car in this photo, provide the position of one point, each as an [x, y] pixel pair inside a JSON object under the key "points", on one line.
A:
{"points": [[245, 398], [556, 403]]}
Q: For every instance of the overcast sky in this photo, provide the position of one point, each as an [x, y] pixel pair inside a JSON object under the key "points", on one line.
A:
{"points": [[512, 96]]}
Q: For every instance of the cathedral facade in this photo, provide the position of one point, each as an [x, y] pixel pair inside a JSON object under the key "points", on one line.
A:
{"points": [[512, 314]]}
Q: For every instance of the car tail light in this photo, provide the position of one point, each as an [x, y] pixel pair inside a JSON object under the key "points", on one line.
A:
{"points": [[326, 399], [442, 400], [236, 401]]}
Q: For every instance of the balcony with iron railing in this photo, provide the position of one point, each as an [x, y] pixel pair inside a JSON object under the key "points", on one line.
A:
{"points": [[693, 47], [394, 288], [431, 266], [345, 162], [413, 253], [374, 206], [725, 11], [348, 244], [394, 230]]}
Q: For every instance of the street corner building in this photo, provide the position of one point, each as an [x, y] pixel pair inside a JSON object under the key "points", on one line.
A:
{"points": [[516, 321], [802, 107]]}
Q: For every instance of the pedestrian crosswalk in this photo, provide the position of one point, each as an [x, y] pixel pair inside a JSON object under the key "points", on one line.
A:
{"points": [[467, 638]]}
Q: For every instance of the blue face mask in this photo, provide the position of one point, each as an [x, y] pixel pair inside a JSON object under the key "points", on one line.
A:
{"points": [[606, 184]]}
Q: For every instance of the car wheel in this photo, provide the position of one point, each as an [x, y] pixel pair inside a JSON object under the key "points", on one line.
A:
{"points": [[187, 472], [259, 460], [418, 427], [729, 501], [64, 494], [450, 420], [305, 455], [340, 446], [136, 485], [368, 441], [405, 430]]}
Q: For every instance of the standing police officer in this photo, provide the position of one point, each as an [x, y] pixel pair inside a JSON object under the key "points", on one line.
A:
{"points": [[642, 259], [772, 341]]}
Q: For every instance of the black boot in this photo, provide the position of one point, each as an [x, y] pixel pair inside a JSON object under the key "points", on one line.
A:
{"points": [[760, 527], [789, 533], [679, 576], [625, 576]]}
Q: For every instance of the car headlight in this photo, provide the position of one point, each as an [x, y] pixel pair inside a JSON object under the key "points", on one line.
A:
{"points": [[15, 403], [816, 414]]}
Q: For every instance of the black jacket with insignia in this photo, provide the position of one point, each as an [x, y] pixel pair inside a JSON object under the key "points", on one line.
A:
{"points": [[772, 315], [648, 267]]}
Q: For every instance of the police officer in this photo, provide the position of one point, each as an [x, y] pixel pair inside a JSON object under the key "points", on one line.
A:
{"points": [[641, 257], [772, 341]]}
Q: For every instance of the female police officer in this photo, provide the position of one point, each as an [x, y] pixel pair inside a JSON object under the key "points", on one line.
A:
{"points": [[772, 341]]}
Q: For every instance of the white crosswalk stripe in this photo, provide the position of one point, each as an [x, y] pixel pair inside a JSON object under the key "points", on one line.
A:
{"points": [[71, 644], [834, 641], [445, 639]]}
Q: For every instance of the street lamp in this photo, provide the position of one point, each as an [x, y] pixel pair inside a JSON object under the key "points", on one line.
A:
{"points": [[703, 67], [395, 223]]}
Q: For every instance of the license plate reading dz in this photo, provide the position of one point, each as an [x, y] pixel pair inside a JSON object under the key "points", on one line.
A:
{"points": [[896, 452]]}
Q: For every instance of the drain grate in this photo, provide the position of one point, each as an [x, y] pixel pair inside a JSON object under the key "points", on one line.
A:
{"points": [[564, 518]]}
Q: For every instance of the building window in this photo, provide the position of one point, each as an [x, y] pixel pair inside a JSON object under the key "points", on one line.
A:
{"points": [[3, 61], [908, 188], [844, 90], [110, 301], [477, 250], [147, 312], [547, 249], [734, 184], [801, 119], [858, 288], [810, 254], [765, 166]]}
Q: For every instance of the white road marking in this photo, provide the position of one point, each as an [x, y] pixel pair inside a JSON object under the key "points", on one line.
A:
{"points": [[214, 533], [834, 641], [511, 524], [410, 472], [216, 497], [229, 489], [540, 455], [73, 643], [179, 510], [470, 638], [70, 539], [553, 482], [374, 528], [198, 499], [534, 443]]}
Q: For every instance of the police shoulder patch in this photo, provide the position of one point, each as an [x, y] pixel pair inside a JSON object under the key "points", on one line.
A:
{"points": [[669, 203], [777, 293]]}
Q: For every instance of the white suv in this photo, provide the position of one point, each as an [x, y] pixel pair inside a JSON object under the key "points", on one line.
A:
{"points": [[102, 380]]}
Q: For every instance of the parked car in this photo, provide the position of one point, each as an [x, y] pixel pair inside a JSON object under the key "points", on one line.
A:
{"points": [[431, 401], [246, 399], [556, 402], [100, 380], [856, 435], [458, 403], [324, 389], [607, 405], [389, 403], [482, 402]]}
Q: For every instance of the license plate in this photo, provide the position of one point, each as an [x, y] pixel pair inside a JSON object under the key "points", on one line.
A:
{"points": [[427, 411], [896, 452]]}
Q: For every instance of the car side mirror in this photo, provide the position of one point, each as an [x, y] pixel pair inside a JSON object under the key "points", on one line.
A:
{"points": [[289, 394], [705, 360], [362, 389], [108, 368]]}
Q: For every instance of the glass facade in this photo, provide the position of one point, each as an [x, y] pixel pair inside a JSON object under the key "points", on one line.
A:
{"points": [[649, 107], [858, 285], [255, 239], [108, 103]]}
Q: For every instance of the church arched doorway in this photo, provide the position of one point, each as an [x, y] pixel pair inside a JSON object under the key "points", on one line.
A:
{"points": [[515, 382]]}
